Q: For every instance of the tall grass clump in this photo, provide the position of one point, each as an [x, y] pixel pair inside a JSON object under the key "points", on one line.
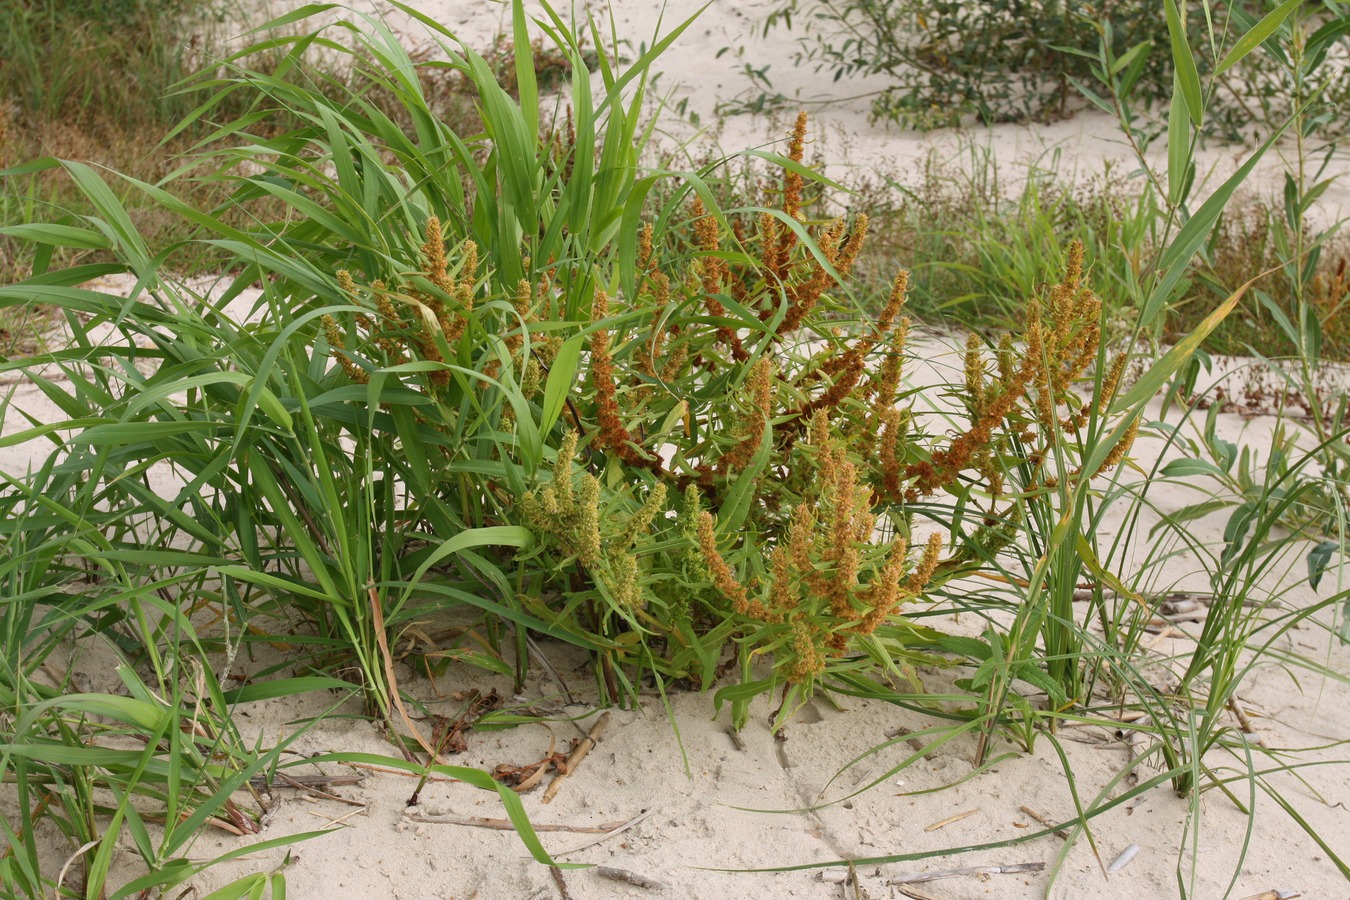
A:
{"points": [[977, 244], [95, 81]]}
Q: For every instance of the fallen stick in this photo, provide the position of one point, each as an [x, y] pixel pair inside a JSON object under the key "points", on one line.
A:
{"points": [[301, 782], [608, 834], [1162, 635], [950, 819], [1170, 630], [577, 756], [507, 825], [1137, 744], [633, 878], [1059, 832], [340, 819], [1244, 722], [915, 894], [1274, 895], [1199, 615], [1179, 607], [403, 773], [1180, 599], [312, 785], [1014, 869]]}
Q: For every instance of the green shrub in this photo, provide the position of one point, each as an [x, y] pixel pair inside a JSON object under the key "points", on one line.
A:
{"points": [[1026, 60]]}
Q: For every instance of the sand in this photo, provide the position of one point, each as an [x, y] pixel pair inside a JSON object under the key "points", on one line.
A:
{"points": [[826, 788]]}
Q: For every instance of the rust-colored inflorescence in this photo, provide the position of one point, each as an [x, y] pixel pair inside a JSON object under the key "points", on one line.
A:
{"points": [[849, 368], [712, 273], [761, 399], [612, 436], [723, 578]]}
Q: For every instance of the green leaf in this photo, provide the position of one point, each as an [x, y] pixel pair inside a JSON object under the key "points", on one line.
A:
{"points": [[488, 536], [286, 687], [1193, 234], [1257, 35], [1188, 77], [1186, 468], [1130, 55], [526, 87], [1153, 380], [561, 376], [515, 809], [1179, 161], [58, 236], [1102, 574], [1319, 558], [741, 496], [114, 215], [1235, 532]]}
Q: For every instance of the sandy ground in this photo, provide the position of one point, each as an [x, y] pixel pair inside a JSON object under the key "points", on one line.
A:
{"points": [[708, 803]]}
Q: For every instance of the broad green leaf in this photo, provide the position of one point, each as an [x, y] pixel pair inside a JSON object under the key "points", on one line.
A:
{"points": [[526, 87], [1157, 375], [114, 215], [270, 405], [295, 15], [273, 688], [1235, 532], [1179, 160], [1102, 574], [1130, 56], [59, 236], [1257, 35], [1197, 228], [1186, 468], [561, 375], [1319, 559], [488, 536], [741, 496], [1188, 77]]}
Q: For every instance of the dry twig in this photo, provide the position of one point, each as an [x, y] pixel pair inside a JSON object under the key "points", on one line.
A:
{"points": [[507, 825], [1014, 869], [914, 743], [950, 819], [1245, 722], [1059, 832], [634, 878], [608, 834], [577, 756], [915, 893]]}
